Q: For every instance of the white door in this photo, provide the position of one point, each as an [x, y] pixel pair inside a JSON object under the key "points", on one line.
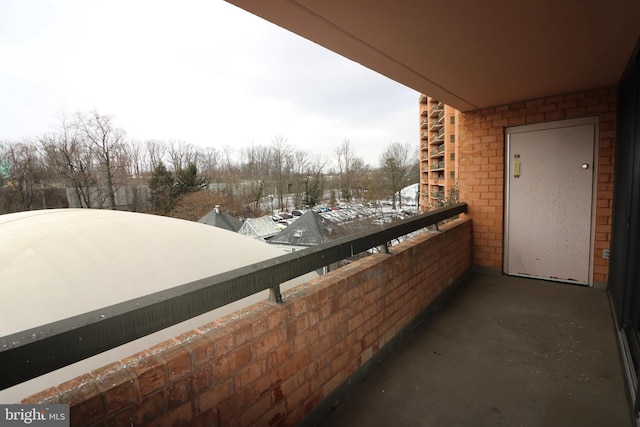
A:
{"points": [[549, 185]]}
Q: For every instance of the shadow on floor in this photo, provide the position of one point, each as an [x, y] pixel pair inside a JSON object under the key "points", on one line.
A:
{"points": [[501, 351]]}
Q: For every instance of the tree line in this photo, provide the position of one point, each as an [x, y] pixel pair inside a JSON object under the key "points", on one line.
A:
{"points": [[89, 158]]}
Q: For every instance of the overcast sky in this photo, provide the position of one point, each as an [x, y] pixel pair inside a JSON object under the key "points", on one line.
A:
{"points": [[199, 71]]}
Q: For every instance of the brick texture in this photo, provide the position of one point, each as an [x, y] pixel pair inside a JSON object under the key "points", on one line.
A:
{"points": [[481, 165], [271, 364]]}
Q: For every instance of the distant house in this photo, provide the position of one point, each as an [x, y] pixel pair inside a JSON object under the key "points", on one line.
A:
{"points": [[309, 230], [262, 228], [220, 219]]}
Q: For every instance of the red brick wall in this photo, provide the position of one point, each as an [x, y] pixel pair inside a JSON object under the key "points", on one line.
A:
{"points": [[272, 364], [481, 178]]}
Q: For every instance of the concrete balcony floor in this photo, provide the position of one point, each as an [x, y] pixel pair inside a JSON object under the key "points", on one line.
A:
{"points": [[500, 351]]}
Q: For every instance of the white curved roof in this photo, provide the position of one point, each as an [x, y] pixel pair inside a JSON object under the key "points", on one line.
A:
{"points": [[62, 262]]}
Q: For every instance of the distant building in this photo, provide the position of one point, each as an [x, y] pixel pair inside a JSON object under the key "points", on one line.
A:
{"points": [[220, 219], [439, 140], [262, 228], [309, 230]]}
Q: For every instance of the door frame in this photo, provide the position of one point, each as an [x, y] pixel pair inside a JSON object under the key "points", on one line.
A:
{"points": [[556, 124]]}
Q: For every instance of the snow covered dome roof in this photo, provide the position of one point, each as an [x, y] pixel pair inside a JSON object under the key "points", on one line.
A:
{"points": [[58, 263]]}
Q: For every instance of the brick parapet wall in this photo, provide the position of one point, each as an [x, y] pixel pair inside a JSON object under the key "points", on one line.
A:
{"points": [[272, 364], [481, 165]]}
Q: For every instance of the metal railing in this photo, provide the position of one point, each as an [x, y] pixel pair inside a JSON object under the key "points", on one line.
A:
{"points": [[435, 108], [436, 125], [34, 352]]}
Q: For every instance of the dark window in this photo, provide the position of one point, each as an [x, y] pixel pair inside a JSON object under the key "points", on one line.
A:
{"points": [[452, 120], [453, 156], [452, 138]]}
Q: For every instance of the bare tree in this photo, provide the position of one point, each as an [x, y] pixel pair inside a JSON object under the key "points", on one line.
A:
{"points": [[135, 153], [181, 154], [138, 173], [209, 162], [314, 182], [300, 166], [26, 170], [156, 151], [281, 161], [360, 172], [67, 153], [349, 168], [397, 164], [254, 166], [107, 142], [227, 165]]}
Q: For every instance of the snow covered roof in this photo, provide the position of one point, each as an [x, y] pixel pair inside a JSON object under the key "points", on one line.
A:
{"points": [[309, 230], [259, 228], [62, 262]]}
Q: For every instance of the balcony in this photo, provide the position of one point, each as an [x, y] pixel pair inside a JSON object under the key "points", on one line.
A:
{"points": [[501, 351], [435, 110], [483, 340], [436, 138], [436, 165], [436, 125], [424, 123], [435, 153]]}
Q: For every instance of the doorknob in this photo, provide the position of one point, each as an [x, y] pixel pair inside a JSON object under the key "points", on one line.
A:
{"points": [[584, 166]]}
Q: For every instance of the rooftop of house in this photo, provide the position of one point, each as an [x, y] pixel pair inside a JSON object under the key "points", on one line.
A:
{"points": [[217, 218]]}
